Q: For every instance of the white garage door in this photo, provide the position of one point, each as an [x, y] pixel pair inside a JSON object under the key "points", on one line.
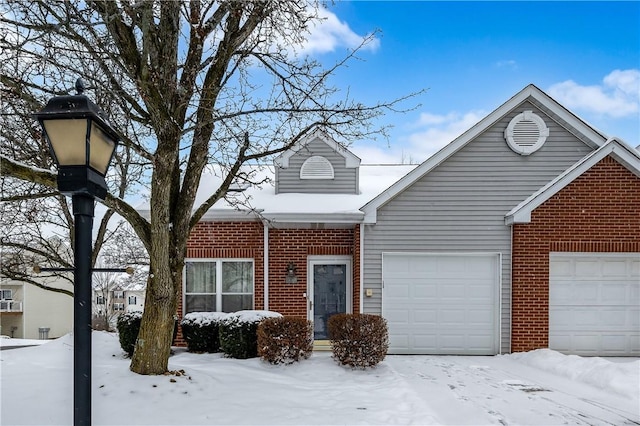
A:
{"points": [[441, 304], [594, 303]]}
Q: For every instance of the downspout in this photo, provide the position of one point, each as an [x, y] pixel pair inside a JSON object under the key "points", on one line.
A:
{"points": [[508, 349], [361, 268], [265, 250]]}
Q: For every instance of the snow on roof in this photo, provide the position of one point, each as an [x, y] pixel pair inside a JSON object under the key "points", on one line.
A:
{"points": [[295, 207]]}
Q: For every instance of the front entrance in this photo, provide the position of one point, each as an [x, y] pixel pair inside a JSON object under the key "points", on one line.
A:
{"points": [[330, 291]]}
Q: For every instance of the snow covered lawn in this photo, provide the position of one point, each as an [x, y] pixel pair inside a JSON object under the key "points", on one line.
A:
{"points": [[540, 387]]}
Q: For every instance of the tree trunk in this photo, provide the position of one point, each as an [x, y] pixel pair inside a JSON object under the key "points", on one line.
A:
{"points": [[153, 347]]}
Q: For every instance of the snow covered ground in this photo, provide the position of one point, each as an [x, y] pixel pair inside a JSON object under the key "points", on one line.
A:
{"points": [[538, 388]]}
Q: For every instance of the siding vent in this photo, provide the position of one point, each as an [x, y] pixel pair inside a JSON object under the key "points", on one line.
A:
{"points": [[316, 167], [526, 133]]}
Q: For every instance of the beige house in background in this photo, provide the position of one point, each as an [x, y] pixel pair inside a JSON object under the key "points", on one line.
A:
{"points": [[29, 312]]}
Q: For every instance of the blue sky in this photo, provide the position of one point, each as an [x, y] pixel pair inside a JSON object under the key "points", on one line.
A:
{"points": [[473, 56]]}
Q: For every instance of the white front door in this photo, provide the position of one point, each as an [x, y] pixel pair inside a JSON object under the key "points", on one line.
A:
{"points": [[329, 291]]}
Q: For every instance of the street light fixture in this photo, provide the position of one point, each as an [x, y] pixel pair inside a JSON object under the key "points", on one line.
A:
{"points": [[82, 143]]}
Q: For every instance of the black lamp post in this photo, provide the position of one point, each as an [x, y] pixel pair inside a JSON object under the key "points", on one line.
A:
{"points": [[82, 143]]}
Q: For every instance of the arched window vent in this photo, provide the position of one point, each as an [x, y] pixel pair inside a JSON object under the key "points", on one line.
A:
{"points": [[316, 167], [526, 133]]}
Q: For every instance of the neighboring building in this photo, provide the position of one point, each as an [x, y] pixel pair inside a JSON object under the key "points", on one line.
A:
{"points": [[30, 312], [522, 233], [110, 303]]}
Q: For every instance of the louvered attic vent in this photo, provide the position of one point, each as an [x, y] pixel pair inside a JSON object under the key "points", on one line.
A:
{"points": [[526, 133], [316, 167]]}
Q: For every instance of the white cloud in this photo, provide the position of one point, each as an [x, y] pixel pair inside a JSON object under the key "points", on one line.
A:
{"points": [[507, 63], [330, 33], [438, 130], [618, 96], [430, 133]]}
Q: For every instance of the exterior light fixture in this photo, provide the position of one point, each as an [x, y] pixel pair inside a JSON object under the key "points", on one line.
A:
{"points": [[291, 277], [82, 143]]}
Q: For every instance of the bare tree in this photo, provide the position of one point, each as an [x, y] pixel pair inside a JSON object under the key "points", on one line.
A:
{"points": [[188, 83]]}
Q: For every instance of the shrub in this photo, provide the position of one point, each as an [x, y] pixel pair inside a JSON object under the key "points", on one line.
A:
{"points": [[128, 328], [285, 339], [239, 333], [200, 331], [358, 340]]}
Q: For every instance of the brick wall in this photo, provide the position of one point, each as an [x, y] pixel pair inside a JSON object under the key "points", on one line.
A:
{"points": [[246, 240], [598, 212], [294, 245]]}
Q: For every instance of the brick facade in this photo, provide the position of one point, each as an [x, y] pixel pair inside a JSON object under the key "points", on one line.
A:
{"points": [[246, 240], [598, 212]]}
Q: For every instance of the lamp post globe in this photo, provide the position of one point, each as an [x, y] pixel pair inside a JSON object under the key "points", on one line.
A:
{"points": [[82, 143], [81, 140]]}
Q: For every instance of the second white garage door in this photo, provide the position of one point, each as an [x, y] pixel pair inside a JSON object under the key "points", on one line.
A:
{"points": [[441, 303], [594, 303]]}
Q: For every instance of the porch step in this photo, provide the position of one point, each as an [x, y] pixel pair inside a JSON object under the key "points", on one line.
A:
{"points": [[321, 345]]}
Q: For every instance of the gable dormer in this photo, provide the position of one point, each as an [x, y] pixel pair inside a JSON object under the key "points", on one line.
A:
{"points": [[317, 165]]}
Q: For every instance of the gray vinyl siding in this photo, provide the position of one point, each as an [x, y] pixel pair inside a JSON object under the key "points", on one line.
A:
{"points": [[345, 179], [460, 205]]}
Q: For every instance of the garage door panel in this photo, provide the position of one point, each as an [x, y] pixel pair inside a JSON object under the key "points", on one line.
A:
{"points": [[482, 317], [586, 269], [614, 318], [425, 290], [452, 291], [425, 317], [399, 290], [418, 266], [615, 268], [613, 342], [452, 300], [596, 309], [424, 342], [561, 268], [397, 316], [615, 292]]}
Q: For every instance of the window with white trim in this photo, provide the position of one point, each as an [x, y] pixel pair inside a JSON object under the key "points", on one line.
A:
{"points": [[6, 295], [219, 285], [100, 300], [118, 294], [118, 306], [316, 167], [133, 300]]}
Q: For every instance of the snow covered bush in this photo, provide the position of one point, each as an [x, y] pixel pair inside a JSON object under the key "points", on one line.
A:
{"points": [[128, 325], [200, 331], [358, 340], [285, 339], [239, 333]]}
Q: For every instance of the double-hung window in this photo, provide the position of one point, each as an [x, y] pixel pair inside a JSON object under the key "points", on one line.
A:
{"points": [[224, 285], [5, 295]]}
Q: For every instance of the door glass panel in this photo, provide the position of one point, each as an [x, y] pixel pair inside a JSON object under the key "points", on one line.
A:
{"points": [[329, 296]]}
